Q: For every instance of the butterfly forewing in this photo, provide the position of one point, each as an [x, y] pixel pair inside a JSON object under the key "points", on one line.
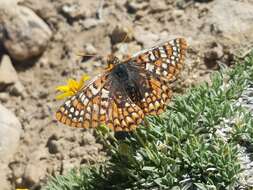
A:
{"points": [[165, 60], [105, 100], [88, 107], [101, 102]]}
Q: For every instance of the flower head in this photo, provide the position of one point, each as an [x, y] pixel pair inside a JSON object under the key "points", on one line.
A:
{"points": [[71, 88]]}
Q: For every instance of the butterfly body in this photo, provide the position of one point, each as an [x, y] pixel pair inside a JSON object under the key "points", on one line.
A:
{"points": [[126, 80], [128, 91]]}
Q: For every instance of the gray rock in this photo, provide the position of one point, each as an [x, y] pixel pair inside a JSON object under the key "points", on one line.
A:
{"points": [[4, 97], [158, 5], [90, 49], [149, 39], [10, 131], [231, 17], [121, 34], [53, 146], [146, 38], [123, 50], [213, 55], [89, 23], [25, 34], [9, 79], [17, 90], [134, 6], [35, 172], [4, 183], [71, 11], [8, 74]]}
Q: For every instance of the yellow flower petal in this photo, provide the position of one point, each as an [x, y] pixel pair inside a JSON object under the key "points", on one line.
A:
{"points": [[64, 95], [62, 88], [72, 83], [72, 87]]}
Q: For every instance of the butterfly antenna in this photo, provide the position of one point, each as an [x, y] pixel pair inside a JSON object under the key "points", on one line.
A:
{"points": [[82, 54], [85, 55]]}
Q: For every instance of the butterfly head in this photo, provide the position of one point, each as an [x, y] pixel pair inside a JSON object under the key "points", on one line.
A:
{"points": [[112, 61]]}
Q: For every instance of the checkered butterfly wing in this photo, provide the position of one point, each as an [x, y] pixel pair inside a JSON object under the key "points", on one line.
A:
{"points": [[163, 61], [105, 101], [159, 67], [102, 101]]}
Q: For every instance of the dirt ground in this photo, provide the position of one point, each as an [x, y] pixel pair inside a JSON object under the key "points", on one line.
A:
{"points": [[217, 32]]}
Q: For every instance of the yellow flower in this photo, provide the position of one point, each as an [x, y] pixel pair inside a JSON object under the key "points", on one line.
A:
{"points": [[71, 88]]}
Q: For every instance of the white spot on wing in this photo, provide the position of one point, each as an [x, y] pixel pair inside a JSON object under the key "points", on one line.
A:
{"points": [[95, 108], [87, 116], [67, 103], [89, 109], [76, 112], [164, 65], [104, 103], [175, 53], [151, 56], [158, 71], [105, 93], [72, 109], [94, 91], [102, 111], [84, 100], [150, 67]]}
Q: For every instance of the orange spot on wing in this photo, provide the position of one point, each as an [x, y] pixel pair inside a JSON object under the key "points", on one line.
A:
{"points": [[73, 124], [58, 116], [63, 119], [75, 102], [102, 118], [169, 50], [158, 62], [86, 124], [96, 100], [94, 123], [68, 121], [79, 106]]}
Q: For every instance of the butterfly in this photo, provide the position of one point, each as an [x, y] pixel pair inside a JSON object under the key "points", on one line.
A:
{"points": [[128, 90]]}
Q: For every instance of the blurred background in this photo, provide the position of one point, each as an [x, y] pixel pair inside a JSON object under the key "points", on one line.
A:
{"points": [[39, 43]]}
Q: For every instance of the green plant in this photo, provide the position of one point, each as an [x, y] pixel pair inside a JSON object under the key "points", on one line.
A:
{"points": [[181, 149]]}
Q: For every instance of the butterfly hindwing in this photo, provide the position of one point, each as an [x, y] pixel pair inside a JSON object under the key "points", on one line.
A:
{"points": [[123, 113]]}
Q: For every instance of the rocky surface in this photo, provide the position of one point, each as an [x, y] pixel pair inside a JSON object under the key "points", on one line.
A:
{"points": [[25, 35], [10, 132], [42, 38], [8, 75]]}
